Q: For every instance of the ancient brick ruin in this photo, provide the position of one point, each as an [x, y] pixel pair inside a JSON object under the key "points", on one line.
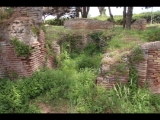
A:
{"points": [[139, 24], [108, 81], [84, 23], [19, 26], [148, 69]]}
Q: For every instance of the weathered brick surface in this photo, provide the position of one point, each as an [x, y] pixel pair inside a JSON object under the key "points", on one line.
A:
{"points": [[148, 69], [33, 12], [10, 63], [19, 25], [85, 23], [150, 72], [139, 24], [108, 81]]}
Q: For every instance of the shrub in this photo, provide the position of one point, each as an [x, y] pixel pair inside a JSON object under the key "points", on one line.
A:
{"points": [[21, 48], [56, 22], [153, 35], [137, 55], [145, 15]]}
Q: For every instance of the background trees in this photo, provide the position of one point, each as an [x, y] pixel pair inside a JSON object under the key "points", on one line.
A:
{"points": [[101, 11], [58, 11], [129, 17]]}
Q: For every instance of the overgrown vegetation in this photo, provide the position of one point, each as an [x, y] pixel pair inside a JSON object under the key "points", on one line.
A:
{"points": [[145, 15], [137, 55], [56, 22], [35, 30], [73, 81], [5, 12], [21, 48]]}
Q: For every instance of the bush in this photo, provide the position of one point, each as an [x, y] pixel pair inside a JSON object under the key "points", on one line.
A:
{"points": [[145, 15], [21, 48], [153, 35], [56, 22]]}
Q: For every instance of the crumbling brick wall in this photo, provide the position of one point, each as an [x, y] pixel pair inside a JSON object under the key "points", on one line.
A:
{"points": [[84, 23], [20, 26], [108, 81], [10, 63], [148, 69], [139, 24], [33, 12]]}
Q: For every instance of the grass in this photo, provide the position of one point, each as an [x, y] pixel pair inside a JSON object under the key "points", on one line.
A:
{"points": [[122, 99], [71, 88]]}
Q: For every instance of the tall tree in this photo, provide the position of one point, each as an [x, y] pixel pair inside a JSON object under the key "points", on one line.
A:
{"points": [[101, 10], [124, 17], [78, 9], [58, 11], [129, 17], [84, 11], [111, 16]]}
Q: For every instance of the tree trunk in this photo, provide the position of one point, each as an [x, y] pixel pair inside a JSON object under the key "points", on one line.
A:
{"points": [[77, 12], [84, 12], [44, 17], [129, 17], [124, 17], [101, 10], [111, 16]]}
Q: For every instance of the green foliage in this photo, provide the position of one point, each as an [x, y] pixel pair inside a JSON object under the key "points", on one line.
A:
{"points": [[48, 50], [137, 55], [84, 61], [102, 18], [6, 13], [13, 100], [118, 69], [69, 42], [56, 22], [100, 41], [21, 48], [74, 81], [42, 27], [35, 30], [145, 15], [153, 35]]}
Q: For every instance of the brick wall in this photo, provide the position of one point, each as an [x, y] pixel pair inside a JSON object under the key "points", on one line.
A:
{"points": [[33, 12], [151, 65], [148, 69], [108, 81], [139, 24], [20, 25], [10, 63], [84, 23]]}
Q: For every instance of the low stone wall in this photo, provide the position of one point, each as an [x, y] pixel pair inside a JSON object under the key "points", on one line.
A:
{"points": [[139, 24], [108, 81], [84, 23]]}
